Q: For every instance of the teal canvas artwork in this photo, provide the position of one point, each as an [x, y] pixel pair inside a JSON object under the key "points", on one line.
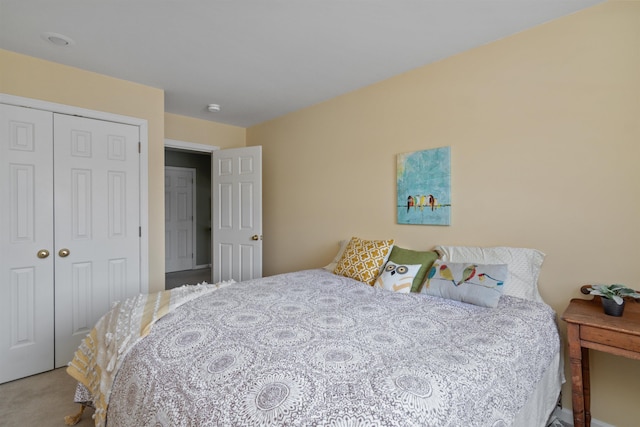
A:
{"points": [[424, 187]]}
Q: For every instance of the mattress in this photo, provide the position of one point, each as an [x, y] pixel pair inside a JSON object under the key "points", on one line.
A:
{"points": [[313, 348]]}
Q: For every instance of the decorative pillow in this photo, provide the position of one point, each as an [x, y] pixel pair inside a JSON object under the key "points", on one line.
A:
{"points": [[523, 265], [332, 265], [397, 277], [406, 257], [363, 259], [471, 283]]}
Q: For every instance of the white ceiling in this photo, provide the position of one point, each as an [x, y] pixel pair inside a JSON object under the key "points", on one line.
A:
{"points": [[260, 59]]}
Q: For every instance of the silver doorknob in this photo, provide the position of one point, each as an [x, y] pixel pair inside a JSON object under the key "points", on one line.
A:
{"points": [[64, 253], [43, 253]]}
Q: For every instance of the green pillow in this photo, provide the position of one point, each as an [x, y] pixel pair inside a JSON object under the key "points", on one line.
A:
{"points": [[408, 257]]}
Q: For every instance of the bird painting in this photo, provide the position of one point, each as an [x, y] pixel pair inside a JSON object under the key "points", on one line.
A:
{"points": [[430, 274], [483, 276], [423, 202], [468, 274], [432, 201], [445, 273], [425, 176]]}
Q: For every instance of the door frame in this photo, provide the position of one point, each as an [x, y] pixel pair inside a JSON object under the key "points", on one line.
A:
{"points": [[194, 213], [143, 125], [194, 147], [189, 146]]}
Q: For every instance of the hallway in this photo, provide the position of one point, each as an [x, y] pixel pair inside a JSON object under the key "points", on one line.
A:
{"points": [[187, 277]]}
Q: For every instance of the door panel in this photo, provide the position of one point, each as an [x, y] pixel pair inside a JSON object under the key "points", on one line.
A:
{"points": [[97, 215], [26, 227], [237, 214], [179, 218]]}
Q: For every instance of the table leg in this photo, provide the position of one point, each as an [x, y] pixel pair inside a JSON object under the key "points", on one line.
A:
{"points": [[586, 386], [576, 354]]}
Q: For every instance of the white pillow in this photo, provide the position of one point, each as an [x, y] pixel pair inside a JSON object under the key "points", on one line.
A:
{"points": [[397, 278], [523, 265], [332, 265]]}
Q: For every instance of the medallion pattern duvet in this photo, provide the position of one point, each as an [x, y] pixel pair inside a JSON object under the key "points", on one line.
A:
{"points": [[312, 348]]}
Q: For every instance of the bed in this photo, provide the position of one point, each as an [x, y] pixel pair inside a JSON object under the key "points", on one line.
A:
{"points": [[312, 348]]}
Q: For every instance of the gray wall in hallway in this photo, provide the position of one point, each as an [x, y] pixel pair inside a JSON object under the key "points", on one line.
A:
{"points": [[202, 164]]}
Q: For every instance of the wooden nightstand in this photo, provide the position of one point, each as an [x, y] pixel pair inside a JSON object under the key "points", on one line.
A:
{"points": [[588, 327]]}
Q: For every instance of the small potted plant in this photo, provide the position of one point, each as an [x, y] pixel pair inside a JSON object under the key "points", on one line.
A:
{"points": [[612, 297]]}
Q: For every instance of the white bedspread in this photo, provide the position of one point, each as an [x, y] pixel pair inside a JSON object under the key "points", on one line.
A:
{"points": [[97, 360], [312, 348]]}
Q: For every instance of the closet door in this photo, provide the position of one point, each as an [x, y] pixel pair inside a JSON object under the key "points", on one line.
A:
{"points": [[97, 220], [26, 242]]}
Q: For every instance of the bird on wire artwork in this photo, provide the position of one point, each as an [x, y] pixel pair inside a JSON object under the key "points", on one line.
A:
{"points": [[420, 202], [424, 187]]}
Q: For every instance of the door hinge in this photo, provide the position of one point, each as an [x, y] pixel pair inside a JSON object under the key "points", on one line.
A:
{"points": [[139, 147], [139, 231]]}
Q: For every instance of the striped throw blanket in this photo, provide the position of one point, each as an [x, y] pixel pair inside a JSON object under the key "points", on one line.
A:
{"points": [[101, 353]]}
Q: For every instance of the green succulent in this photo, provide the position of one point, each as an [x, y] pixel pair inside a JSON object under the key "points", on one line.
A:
{"points": [[615, 292]]}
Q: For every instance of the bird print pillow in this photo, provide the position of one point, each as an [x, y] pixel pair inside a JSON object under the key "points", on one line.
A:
{"points": [[397, 277], [479, 284]]}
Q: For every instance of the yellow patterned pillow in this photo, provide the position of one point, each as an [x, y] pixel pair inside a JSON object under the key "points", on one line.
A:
{"points": [[363, 259]]}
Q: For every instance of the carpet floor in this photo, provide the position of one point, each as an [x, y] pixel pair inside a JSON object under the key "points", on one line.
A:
{"points": [[41, 400]]}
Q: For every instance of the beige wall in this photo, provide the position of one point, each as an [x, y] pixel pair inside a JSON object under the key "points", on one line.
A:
{"points": [[188, 129], [544, 130], [30, 77]]}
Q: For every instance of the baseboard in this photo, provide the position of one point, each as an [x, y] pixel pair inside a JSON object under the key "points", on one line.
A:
{"points": [[566, 416], [201, 266]]}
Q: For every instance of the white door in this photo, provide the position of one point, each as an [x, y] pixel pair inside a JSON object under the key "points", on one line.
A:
{"points": [[26, 228], [97, 224], [237, 214], [179, 184]]}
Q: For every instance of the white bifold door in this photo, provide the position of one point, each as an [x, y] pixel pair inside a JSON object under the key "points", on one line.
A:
{"points": [[70, 232]]}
